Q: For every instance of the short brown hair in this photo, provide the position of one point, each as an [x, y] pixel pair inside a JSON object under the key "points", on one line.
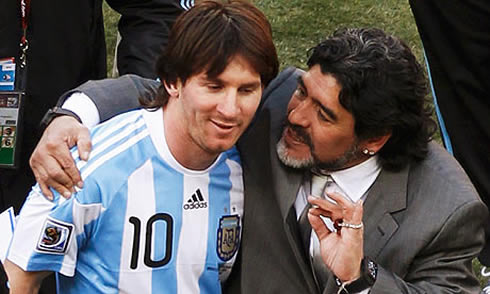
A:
{"points": [[207, 36]]}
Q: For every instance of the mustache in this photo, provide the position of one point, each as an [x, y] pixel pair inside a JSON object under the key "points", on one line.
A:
{"points": [[301, 134]]}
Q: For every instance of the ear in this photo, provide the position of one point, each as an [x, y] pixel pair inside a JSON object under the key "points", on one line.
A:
{"points": [[173, 89], [375, 144]]}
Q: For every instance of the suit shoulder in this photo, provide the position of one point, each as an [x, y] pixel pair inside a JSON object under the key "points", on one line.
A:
{"points": [[283, 85], [441, 175]]}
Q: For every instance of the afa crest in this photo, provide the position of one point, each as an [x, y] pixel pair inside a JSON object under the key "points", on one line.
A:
{"points": [[228, 236], [55, 237]]}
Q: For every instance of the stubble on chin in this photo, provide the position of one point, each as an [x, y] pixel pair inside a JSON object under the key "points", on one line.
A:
{"points": [[288, 160]]}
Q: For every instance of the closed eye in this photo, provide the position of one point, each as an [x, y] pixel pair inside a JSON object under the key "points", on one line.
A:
{"points": [[214, 87], [322, 115]]}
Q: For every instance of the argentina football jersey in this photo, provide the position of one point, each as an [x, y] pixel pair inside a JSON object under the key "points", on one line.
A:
{"points": [[142, 223]]}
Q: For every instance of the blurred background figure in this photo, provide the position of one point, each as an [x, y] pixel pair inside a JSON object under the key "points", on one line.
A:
{"points": [[456, 40], [66, 48]]}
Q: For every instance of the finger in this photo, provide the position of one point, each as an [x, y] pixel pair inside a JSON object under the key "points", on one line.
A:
{"points": [[66, 193], [358, 212], [68, 168], [84, 144], [340, 199], [45, 182], [56, 175], [317, 224], [347, 204], [323, 203], [335, 214], [46, 191]]}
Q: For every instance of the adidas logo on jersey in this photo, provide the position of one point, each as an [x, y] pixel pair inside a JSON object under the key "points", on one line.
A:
{"points": [[196, 201]]}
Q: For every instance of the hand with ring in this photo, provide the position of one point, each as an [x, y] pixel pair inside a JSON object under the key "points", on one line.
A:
{"points": [[342, 252]]}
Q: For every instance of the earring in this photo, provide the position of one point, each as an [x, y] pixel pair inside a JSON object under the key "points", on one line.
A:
{"points": [[368, 152]]}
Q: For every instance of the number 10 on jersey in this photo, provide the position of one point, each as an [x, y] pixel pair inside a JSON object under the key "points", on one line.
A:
{"points": [[148, 234]]}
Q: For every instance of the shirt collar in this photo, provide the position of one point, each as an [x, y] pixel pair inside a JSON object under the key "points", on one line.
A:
{"points": [[356, 181]]}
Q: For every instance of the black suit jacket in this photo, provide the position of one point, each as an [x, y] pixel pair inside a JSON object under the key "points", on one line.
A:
{"points": [[423, 225]]}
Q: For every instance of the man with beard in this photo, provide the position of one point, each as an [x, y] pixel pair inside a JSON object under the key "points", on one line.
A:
{"points": [[393, 212]]}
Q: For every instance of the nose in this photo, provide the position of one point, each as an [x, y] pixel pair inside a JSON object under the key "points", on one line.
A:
{"points": [[299, 114], [228, 106]]}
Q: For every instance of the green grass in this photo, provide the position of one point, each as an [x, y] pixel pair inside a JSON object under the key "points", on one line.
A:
{"points": [[110, 23], [298, 25]]}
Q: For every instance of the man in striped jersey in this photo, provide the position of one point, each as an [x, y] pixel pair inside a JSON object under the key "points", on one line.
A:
{"points": [[127, 232]]}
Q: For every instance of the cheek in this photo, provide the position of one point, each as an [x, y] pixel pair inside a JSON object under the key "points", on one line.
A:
{"points": [[198, 107], [324, 140], [249, 106]]}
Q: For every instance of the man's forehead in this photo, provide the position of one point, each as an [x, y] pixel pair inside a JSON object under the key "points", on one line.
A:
{"points": [[214, 70], [324, 90], [319, 78]]}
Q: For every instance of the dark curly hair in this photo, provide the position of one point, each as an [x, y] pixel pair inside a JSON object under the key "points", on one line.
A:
{"points": [[385, 89], [206, 37]]}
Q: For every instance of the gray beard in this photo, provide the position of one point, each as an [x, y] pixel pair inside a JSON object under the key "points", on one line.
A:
{"points": [[312, 162], [287, 160]]}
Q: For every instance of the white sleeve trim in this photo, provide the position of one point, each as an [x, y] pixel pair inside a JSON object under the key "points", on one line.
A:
{"points": [[84, 107]]}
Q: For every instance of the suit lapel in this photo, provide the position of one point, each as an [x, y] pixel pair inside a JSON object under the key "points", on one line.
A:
{"points": [[286, 183], [387, 195]]}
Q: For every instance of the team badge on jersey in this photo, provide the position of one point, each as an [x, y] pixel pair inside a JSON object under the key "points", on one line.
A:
{"points": [[228, 236], [55, 237]]}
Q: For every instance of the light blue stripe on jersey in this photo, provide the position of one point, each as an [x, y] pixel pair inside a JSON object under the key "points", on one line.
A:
{"points": [[233, 154], [168, 198], [219, 181]]}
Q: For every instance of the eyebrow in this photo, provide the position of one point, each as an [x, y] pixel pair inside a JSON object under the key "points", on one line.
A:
{"points": [[254, 84], [325, 109]]}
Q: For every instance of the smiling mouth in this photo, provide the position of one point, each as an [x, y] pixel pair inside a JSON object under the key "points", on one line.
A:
{"points": [[224, 126]]}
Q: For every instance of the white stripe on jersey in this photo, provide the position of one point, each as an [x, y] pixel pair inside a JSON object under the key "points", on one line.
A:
{"points": [[35, 206], [128, 120], [141, 202], [84, 214], [194, 230], [113, 139], [120, 148], [236, 194]]}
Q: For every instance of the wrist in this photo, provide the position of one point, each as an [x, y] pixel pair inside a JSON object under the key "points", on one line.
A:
{"points": [[54, 113], [366, 279]]}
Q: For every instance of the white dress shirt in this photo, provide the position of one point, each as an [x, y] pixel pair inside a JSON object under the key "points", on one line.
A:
{"points": [[352, 183]]}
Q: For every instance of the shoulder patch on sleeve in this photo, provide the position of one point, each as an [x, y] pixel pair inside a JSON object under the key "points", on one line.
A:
{"points": [[55, 237]]}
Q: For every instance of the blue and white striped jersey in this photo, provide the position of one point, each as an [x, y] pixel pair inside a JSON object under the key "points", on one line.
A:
{"points": [[142, 223]]}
